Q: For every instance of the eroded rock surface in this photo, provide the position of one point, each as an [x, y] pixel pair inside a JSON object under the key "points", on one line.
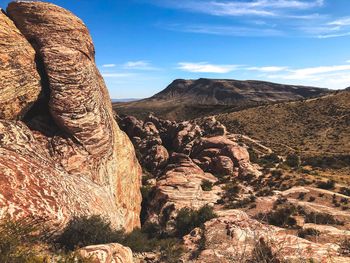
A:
{"points": [[233, 237], [107, 253], [19, 80], [69, 156]]}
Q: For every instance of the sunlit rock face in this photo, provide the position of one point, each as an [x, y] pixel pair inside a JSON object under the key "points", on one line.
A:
{"points": [[19, 80], [67, 156]]}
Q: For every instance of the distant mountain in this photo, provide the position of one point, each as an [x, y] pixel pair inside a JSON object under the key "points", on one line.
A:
{"points": [[187, 99], [123, 100]]}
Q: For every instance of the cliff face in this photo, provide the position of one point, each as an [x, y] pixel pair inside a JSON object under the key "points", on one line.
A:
{"points": [[67, 155]]}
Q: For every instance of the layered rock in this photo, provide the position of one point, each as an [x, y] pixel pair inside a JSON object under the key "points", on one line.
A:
{"points": [[180, 187], [235, 237], [69, 157], [107, 253], [19, 80]]}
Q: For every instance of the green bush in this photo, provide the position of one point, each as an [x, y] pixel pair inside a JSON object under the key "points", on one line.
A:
{"points": [[207, 185], [84, 231], [329, 185], [281, 217], [17, 239], [293, 160], [321, 219], [303, 233], [187, 219]]}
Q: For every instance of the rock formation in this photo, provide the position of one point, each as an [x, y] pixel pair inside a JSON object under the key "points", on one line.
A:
{"points": [[67, 156], [19, 80], [107, 253], [234, 237], [199, 152]]}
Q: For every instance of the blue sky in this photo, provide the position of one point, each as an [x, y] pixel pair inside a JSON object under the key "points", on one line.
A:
{"points": [[142, 45]]}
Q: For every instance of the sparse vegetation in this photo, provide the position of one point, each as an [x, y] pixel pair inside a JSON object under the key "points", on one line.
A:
{"points": [[188, 219], [281, 217], [307, 232], [345, 247], [293, 160], [329, 185], [321, 219], [207, 185], [262, 253]]}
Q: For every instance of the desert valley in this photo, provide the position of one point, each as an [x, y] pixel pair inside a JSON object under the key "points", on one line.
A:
{"points": [[206, 170]]}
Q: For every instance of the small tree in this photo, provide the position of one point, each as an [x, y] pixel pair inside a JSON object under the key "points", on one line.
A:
{"points": [[207, 185]]}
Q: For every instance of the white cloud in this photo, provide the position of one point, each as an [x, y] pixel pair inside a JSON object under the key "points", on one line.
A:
{"points": [[205, 67], [341, 22], [348, 61], [139, 65], [268, 69], [336, 76], [242, 8], [109, 65], [225, 30], [345, 34]]}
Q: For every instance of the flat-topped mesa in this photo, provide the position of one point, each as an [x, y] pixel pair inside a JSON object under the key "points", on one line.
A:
{"points": [[69, 156], [19, 80]]}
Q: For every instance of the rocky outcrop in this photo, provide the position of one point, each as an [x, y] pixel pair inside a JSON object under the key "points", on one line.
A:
{"points": [[235, 237], [69, 156], [180, 187], [19, 80], [107, 253]]}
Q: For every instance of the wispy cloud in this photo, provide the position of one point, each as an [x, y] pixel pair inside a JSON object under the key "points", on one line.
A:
{"points": [[205, 67], [268, 69], [224, 30], [139, 65], [336, 76], [268, 8], [109, 65]]}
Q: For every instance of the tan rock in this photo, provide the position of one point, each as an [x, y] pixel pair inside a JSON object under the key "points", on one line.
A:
{"points": [[19, 80], [233, 235], [107, 253]]}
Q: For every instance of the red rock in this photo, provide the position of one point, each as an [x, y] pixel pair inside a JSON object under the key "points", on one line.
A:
{"points": [[19, 80], [87, 165]]}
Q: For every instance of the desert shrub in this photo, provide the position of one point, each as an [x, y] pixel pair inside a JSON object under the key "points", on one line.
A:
{"points": [[334, 162], [188, 219], [326, 185], [207, 185], [308, 232], [265, 191], [344, 247], [147, 193], [276, 174], [232, 190], [171, 250], [312, 199], [281, 217], [88, 230], [252, 155], [345, 191], [293, 160], [17, 239], [301, 195], [262, 253], [321, 219]]}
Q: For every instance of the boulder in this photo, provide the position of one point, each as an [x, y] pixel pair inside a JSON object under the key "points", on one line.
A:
{"points": [[107, 253], [235, 237], [83, 164], [19, 80], [179, 187]]}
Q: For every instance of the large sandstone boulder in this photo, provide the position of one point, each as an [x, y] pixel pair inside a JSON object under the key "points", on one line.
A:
{"points": [[73, 159], [235, 237], [179, 187], [107, 253], [19, 80]]}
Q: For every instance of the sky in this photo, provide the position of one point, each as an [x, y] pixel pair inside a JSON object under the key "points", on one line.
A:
{"points": [[143, 45]]}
